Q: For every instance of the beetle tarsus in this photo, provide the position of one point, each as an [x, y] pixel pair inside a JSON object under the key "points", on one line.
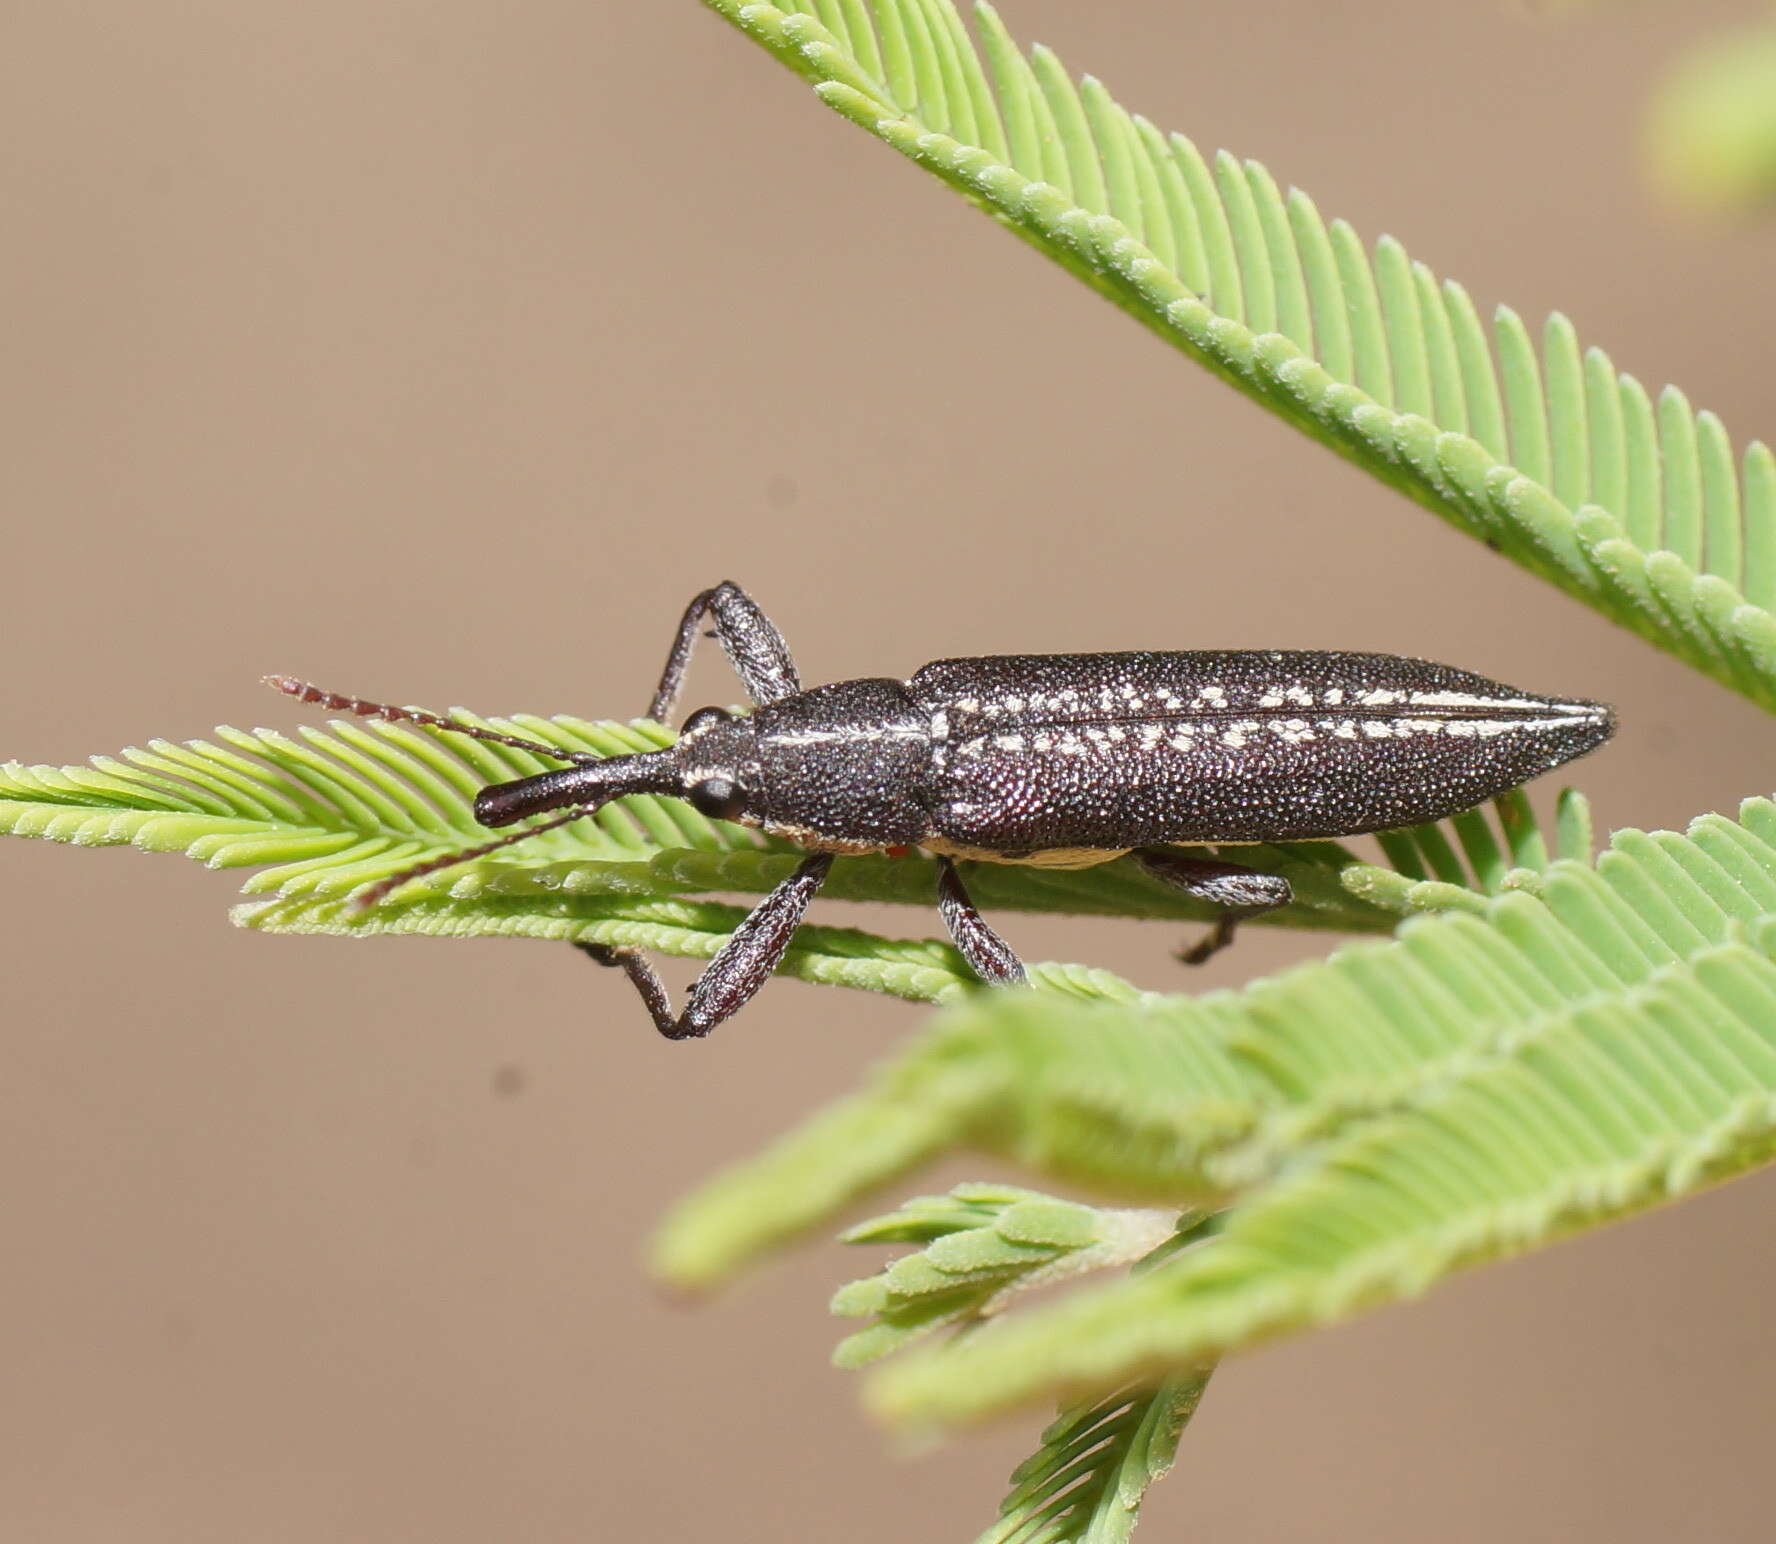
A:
{"points": [[642, 976], [1218, 937]]}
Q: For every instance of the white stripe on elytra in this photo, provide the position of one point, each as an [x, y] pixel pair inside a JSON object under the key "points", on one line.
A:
{"points": [[1468, 700]]}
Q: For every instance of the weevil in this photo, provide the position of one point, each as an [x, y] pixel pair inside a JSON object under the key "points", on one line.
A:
{"points": [[1058, 760]]}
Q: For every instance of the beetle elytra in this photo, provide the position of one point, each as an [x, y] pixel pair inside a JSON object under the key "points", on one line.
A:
{"points": [[1063, 760]]}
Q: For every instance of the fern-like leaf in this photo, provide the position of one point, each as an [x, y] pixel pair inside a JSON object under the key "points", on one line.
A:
{"points": [[1085, 1484], [981, 1244], [1484, 1084], [1639, 506], [1579, 1045]]}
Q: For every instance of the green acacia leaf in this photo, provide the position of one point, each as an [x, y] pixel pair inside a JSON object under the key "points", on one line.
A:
{"points": [[1481, 1086], [980, 1243], [1555, 459], [1086, 1482], [1587, 1041]]}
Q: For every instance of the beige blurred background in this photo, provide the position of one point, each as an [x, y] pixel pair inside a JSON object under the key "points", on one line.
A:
{"points": [[441, 351]]}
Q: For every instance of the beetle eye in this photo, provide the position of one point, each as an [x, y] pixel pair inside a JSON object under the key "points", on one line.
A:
{"points": [[703, 718], [715, 797]]}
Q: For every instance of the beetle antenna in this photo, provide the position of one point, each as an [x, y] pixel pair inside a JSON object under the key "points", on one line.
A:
{"points": [[338, 702], [365, 899]]}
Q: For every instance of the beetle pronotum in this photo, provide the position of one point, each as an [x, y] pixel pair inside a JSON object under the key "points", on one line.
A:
{"points": [[1061, 760]]}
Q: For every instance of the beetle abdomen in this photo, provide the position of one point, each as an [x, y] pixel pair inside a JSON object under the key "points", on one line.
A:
{"points": [[1033, 752]]}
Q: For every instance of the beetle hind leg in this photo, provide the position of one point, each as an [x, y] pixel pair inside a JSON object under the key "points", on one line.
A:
{"points": [[1240, 892]]}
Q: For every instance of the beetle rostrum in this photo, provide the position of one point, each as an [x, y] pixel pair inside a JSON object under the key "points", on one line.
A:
{"points": [[1059, 760]]}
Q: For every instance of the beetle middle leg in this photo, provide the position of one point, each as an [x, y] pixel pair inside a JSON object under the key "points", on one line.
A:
{"points": [[737, 971], [1241, 892], [754, 648], [988, 955]]}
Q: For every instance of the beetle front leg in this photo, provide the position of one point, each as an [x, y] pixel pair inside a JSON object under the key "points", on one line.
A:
{"points": [[754, 648], [738, 970], [1241, 892], [988, 955]]}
